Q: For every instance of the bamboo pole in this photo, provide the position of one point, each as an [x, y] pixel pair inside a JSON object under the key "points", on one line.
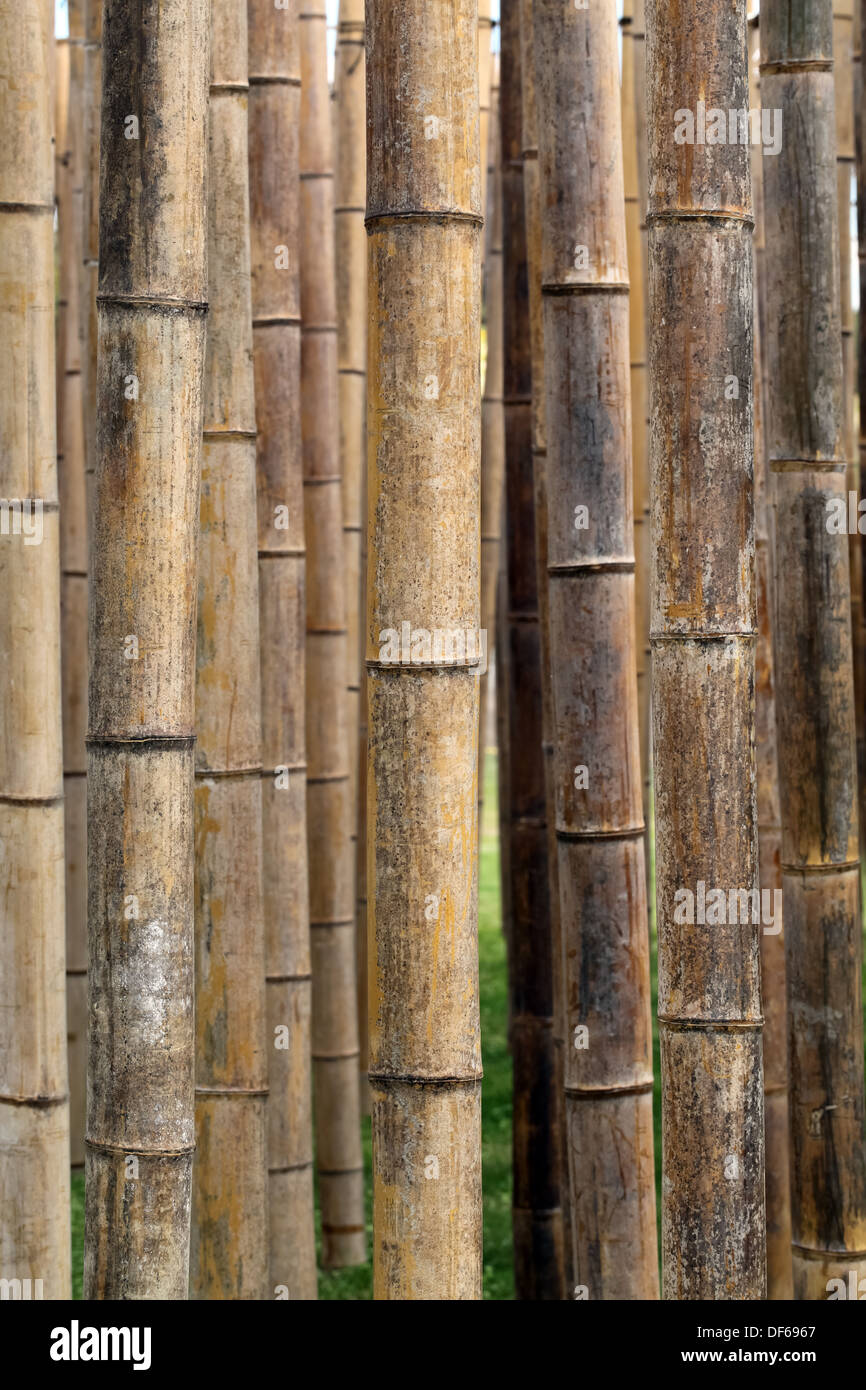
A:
{"points": [[230, 1199], [634, 155], [34, 1103], [703, 641], [778, 1179], [814, 700], [92, 117], [424, 212], [608, 1083], [351, 263], [152, 287], [73, 566], [274, 108], [540, 1149], [485, 101], [860, 148], [335, 1046]]}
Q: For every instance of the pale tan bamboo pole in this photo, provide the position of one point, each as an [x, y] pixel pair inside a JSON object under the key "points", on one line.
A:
{"points": [[424, 219], [335, 1047], [229, 1258], [351, 270], [73, 582], [778, 1173], [152, 288], [34, 1101], [274, 109]]}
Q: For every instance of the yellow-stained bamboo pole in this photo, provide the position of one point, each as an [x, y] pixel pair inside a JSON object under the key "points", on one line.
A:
{"points": [[230, 1199], [73, 566], [335, 1047], [351, 270], [274, 110], [152, 289], [34, 1102], [424, 219]]}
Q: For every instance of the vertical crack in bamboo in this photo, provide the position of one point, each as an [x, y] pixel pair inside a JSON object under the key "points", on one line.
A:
{"points": [[703, 639], [274, 111], [815, 690], [597, 770], [424, 220], [142, 603], [34, 1101], [335, 1045]]}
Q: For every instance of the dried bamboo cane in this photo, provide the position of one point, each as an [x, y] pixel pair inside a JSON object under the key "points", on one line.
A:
{"points": [[351, 259], [230, 1198], [814, 690], [92, 117], [73, 567], [703, 640], [152, 287], [608, 1063], [485, 94], [335, 1046], [34, 1104], [778, 1169], [424, 219], [274, 109]]}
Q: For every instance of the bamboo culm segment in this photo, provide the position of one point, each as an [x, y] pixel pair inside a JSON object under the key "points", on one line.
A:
{"points": [[73, 563], [335, 1047], [599, 823], [423, 212], [230, 1240], [351, 270], [152, 304], [34, 1101], [815, 692], [274, 112], [703, 640]]}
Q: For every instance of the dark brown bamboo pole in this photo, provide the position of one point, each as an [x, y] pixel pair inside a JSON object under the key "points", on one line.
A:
{"points": [[703, 640], [351, 262], [860, 148], [230, 1198], [814, 693], [335, 1045], [543, 1078], [485, 90], [608, 1062], [92, 117], [424, 212], [778, 1180], [34, 1101], [152, 290], [274, 109], [73, 566]]}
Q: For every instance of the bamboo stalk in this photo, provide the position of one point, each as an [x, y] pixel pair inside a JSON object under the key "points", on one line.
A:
{"points": [[703, 641], [34, 1101], [608, 1084], [335, 1046], [351, 261], [73, 566], [274, 109], [814, 699], [152, 287], [778, 1173], [485, 102], [92, 117], [424, 212]]}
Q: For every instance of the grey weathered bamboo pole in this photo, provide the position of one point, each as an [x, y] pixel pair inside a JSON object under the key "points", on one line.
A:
{"points": [[424, 220], [351, 269], [634, 154], [814, 692], [230, 1197], [34, 1101], [152, 290], [778, 1180], [73, 582], [703, 640], [335, 1046], [608, 1062], [492, 423], [274, 108]]}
